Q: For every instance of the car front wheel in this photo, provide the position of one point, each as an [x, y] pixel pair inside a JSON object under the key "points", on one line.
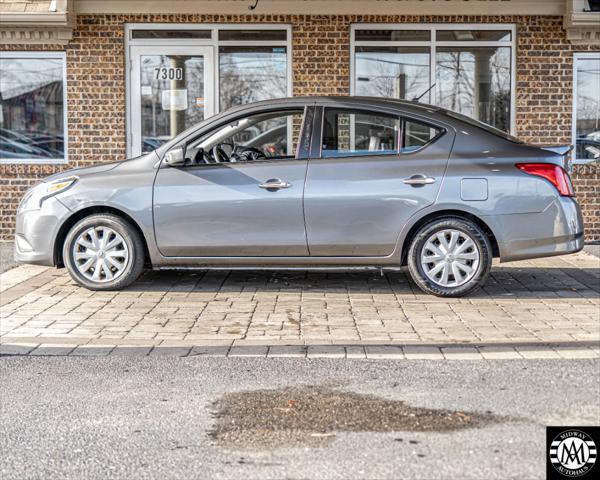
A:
{"points": [[103, 252], [450, 257]]}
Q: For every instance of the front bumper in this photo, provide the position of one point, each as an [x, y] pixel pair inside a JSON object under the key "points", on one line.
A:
{"points": [[37, 230]]}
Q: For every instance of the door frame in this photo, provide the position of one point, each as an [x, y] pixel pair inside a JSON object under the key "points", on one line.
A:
{"points": [[213, 42]]}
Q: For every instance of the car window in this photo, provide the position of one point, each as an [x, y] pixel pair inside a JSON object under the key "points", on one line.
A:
{"points": [[265, 136], [357, 132], [417, 135]]}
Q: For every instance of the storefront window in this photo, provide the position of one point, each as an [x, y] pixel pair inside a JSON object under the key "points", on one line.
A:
{"points": [[456, 67], [475, 82], [32, 103], [250, 74], [396, 72], [586, 115]]}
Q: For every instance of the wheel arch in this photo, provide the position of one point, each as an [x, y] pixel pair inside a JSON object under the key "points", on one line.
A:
{"points": [[443, 214], [86, 212]]}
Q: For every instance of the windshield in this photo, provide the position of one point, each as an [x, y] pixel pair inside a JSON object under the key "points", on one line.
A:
{"points": [[483, 126]]}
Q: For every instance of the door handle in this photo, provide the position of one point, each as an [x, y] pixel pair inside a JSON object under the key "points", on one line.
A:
{"points": [[419, 180], [274, 184]]}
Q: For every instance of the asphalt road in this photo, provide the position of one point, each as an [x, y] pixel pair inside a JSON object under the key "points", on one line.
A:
{"points": [[214, 418]]}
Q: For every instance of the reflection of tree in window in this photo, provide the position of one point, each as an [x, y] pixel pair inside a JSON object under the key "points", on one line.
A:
{"points": [[392, 72], [250, 74], [475, 82]]}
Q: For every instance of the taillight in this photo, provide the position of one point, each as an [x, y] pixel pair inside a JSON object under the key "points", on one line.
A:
{"points": [[553, 173]]}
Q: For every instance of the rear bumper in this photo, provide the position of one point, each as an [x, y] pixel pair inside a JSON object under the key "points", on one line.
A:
{"points": [[558, 230], [36, 232]]}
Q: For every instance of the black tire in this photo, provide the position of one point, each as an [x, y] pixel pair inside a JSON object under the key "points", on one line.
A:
{"points": [[469, 228], [135, 246]]}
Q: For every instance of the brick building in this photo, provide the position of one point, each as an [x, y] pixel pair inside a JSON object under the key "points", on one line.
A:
{"points": [[89, 81]]}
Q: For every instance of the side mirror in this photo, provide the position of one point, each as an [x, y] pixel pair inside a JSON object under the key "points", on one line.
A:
{"points": [[175, 157]]}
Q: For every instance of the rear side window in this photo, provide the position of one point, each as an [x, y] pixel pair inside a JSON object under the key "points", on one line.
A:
{"points": [[359, 132], [417, 135]]}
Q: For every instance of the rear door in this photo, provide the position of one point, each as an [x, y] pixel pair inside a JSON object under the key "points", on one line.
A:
{"points": [[369, 173]]}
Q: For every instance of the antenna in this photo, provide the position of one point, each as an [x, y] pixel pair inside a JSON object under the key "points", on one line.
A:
{"points": [[416, 99]]}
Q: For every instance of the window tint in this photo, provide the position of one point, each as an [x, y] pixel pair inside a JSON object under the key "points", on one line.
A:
{"points": [[266, 136], [392, 35], [416, 135], [253, 35], [474, 35], [355, 132], [160, 34]]}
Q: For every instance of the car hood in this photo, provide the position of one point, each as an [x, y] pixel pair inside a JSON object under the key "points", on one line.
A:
{"points": [[83, 172]]}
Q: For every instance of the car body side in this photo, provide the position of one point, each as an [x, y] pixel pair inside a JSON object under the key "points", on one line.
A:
{"points": [[524, 215]]}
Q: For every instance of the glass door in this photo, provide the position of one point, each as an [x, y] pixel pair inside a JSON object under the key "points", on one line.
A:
{"points": [[171, 90]]}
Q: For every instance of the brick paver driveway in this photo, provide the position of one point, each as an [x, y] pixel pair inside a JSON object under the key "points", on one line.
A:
{"points": [[552, 300]]}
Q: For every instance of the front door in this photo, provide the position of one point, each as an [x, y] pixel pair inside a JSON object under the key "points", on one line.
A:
{"points": [[375, 170], [240, 195], [171, 90]]}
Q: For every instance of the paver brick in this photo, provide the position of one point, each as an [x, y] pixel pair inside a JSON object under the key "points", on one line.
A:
{"points": [[316, 309]]}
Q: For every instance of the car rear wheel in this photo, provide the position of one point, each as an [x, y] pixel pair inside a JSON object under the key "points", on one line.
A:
{"points": [[450, 257], [103, 252]]}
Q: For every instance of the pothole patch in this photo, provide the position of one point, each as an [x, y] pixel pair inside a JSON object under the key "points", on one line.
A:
{"points": [[314, 415]]}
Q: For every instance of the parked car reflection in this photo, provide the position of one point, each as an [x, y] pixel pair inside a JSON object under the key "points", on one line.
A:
{"points": [[30, 145], [588, 146]]}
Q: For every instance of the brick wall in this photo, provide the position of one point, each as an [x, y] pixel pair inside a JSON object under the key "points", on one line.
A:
{"points": [[96, 88]]}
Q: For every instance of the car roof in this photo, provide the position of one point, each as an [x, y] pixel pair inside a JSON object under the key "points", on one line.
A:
{"points": [[341, 99]]}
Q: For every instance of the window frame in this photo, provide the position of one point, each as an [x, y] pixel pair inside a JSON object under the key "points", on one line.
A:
{"points": [[61, 55], [213, 42], [433, 43], [576, 57]]}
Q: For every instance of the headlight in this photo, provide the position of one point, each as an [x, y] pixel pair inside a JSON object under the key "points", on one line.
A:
{"points": [[59, 185], [34, 198]]}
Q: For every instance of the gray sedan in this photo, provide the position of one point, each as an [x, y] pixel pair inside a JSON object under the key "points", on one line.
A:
{"points": [[311, 183]]}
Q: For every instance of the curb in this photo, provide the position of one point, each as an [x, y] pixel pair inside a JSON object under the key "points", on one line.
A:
{"points": [[571, 350]]}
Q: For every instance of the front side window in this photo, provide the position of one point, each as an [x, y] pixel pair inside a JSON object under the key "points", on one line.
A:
{"points": [[586, 115], [464, 69], [265, 136], [355, 132], [32, 108]]}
